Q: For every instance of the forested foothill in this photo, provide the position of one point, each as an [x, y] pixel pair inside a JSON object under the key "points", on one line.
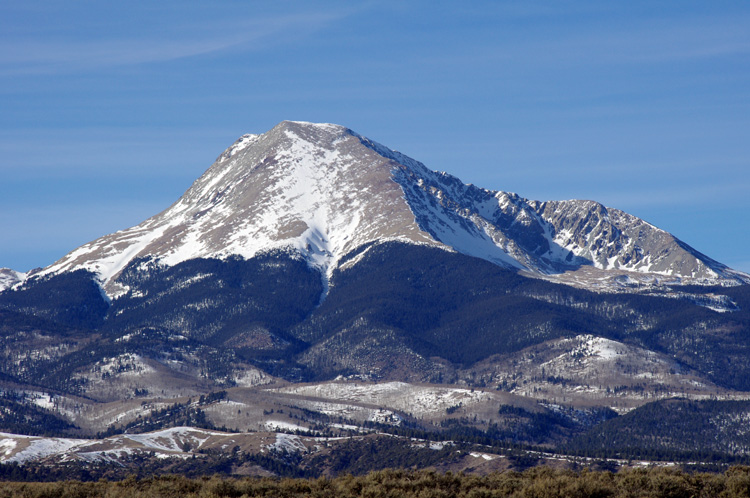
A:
{"points": [[403, 313]]}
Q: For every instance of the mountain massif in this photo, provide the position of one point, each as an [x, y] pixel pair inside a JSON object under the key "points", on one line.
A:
{"points": [[323, 192], [313, 272]]}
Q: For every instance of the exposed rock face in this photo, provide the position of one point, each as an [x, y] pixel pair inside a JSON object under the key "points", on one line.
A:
{"points": [[322, 191]]}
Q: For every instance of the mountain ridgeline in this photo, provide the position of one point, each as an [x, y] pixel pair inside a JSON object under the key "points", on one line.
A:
{"points": [[323, 192], [311, 253]]}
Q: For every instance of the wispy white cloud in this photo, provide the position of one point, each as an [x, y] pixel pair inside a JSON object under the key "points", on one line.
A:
{"points": [[665, 40], [42, 54], [605, 41]]}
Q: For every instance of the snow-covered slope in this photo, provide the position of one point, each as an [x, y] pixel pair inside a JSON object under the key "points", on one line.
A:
{"points": [[322, 191], [181, 442], [9, 278]]}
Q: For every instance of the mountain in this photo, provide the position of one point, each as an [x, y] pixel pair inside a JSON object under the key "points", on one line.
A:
{"points": [[315, 273], [322, 191], [9, 278]]}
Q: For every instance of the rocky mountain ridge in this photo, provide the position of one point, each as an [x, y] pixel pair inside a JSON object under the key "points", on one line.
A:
{"points": [[323, 191]]}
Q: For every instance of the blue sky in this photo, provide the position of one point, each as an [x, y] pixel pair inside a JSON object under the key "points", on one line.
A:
{"points": [[109, 111]]}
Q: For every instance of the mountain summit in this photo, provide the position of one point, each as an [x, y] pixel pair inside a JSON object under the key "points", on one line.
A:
{"points": [[323, 191], [311, 254]]}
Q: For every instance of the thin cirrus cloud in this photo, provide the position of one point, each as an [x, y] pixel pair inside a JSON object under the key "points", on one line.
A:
{"points": [[652, 41], [22, 56]]}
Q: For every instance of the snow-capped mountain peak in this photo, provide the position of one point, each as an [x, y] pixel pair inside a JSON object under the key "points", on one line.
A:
{"points": [[315, 189], [321, 191]]}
